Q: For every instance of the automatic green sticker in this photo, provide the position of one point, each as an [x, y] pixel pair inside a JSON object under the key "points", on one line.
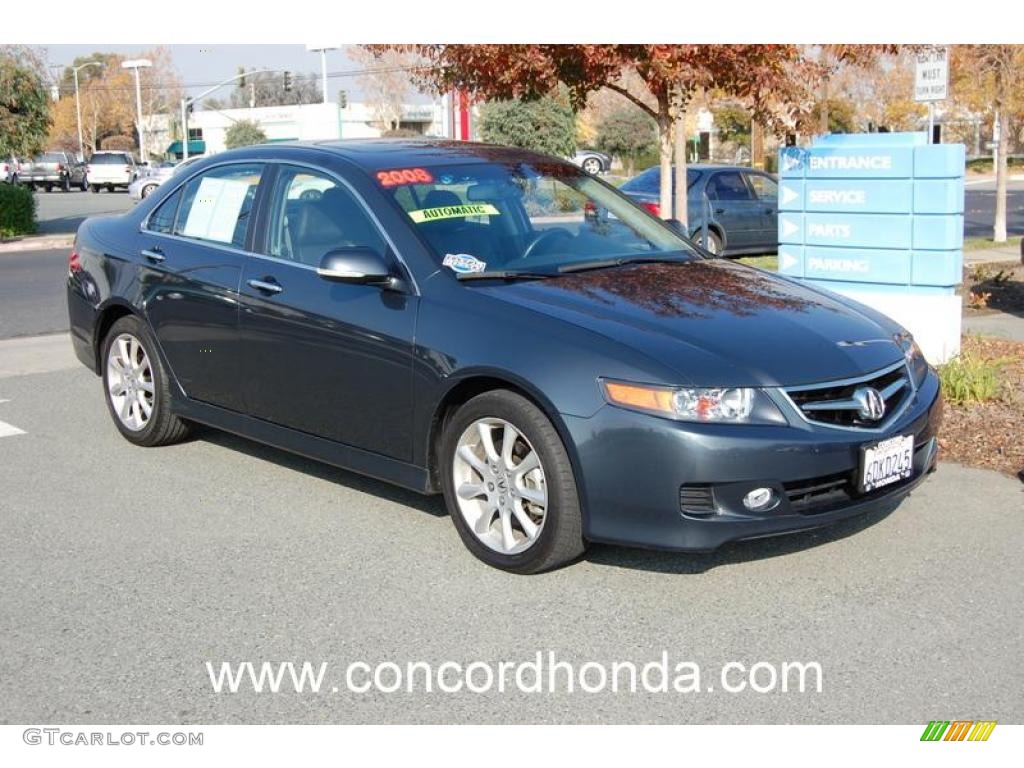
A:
{"points": [[453, 212]]}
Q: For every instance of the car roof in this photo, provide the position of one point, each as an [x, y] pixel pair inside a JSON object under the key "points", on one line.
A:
{"points": [[377, 154]]}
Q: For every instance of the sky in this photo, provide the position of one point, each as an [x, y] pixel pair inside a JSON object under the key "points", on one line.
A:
{"points": [[197, 64]]}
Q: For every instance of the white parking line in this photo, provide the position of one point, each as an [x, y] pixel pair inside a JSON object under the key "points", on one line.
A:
{"points": [[9, 430]]}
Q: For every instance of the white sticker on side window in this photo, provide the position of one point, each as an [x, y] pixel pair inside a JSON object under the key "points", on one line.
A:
{"points": [[463, 262]]}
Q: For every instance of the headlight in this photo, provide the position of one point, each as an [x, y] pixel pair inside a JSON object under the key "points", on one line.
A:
{"points": [[915, 357], [723, 405]]}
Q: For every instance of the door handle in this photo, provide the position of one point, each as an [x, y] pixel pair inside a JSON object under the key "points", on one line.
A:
{"points": [[719, 211], [153, 255], [265, 286]]}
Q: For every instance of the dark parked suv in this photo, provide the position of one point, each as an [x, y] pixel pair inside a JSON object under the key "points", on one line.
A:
{"points": [[505, 329]]}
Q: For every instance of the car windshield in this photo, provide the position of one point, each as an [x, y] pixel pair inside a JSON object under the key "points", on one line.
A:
{"points": [[525, 217]]}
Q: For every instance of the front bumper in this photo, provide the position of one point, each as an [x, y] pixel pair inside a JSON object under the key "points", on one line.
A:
{"points": [[633, 468]]}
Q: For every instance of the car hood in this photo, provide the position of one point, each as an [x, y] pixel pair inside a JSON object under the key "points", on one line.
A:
{"points": [[718, 323]]}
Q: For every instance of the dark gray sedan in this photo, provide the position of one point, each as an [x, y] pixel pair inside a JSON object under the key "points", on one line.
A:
{"points": [[740, 205]]}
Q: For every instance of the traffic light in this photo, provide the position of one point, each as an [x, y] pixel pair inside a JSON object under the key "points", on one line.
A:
{"points": [[241, 78], [287, 80], [342, 99]]}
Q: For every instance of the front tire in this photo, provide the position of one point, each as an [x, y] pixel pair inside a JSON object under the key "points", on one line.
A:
{"points": [[137, 387], [509, 486], [65, 184], [592, 166], [95, 189], [147, 190]]}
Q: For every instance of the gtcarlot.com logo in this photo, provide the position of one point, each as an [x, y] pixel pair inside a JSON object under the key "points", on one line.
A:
{"points": [[958, 730]]}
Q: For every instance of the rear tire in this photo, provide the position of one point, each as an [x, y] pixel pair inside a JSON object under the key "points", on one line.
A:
{"points": [[84, 186], [134, 379], [592, 166], [65, 184], [95, 189], [147, 190], [49, 187], [519, 520], [714, 244]]}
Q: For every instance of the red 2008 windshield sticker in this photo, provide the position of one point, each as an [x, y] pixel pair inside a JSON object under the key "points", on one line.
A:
{"points": [[400, 176]]}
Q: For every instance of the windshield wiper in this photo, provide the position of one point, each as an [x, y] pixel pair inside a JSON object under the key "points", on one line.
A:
{"points": [[583, 266], [506, 274]]}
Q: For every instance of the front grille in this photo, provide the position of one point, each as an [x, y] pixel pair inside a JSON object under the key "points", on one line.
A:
{"points": [[834, 403], [696, 500]]}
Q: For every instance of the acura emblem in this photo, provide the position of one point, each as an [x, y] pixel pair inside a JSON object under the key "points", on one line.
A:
{"points": [[870, 404]]}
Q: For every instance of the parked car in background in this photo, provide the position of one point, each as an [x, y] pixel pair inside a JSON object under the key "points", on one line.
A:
{"points": [[53, 169], [110, 170], [740, 205], [430, 314], [10, 168], [146, 183], [592, 161]]}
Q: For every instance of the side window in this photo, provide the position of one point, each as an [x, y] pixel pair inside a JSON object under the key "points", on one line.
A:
{"points": [[216, 205], [765, 188], [313, 214], [162, 219], [728, 185]]}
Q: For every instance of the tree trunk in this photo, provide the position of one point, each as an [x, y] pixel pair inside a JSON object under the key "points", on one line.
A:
{"points": [[999, 228], [679, 211], [756, 145], [665, 153]]}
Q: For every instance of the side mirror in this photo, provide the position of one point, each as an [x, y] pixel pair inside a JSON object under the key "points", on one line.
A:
{"points": [[677, 225], [356, 264]]}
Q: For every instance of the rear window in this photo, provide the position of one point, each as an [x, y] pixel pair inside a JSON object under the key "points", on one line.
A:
{"points": [[649, 182], [116, 158]]}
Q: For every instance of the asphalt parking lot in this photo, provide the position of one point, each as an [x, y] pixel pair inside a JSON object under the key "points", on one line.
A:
{"points": [[125, 570], [62, 212]]}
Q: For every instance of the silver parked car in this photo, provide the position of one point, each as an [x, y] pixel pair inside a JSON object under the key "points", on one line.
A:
{"points": [[145, 184]]}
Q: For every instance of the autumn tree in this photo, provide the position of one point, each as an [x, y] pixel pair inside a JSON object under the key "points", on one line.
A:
{"points": [[627, 133], [386, 83], [670, 75], [24, 102], [990, 79]]}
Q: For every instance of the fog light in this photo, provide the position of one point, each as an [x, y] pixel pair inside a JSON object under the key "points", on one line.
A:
{"points": [[760, 499]]}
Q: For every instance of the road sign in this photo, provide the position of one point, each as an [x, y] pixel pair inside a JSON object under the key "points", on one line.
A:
{"points": [[931, 76]]}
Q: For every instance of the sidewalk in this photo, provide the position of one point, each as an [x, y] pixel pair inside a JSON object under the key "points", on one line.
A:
{"points": [[1007, 252], [36, 243]]}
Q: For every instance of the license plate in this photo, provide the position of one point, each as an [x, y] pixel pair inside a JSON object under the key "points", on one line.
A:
{"points": [[886, 462]]}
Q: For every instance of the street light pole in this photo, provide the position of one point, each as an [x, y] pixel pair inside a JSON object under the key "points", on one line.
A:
{"points": [[323, 49], [137, 64], [78, 106]]}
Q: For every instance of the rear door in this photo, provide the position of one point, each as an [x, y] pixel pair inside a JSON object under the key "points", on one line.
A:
{"points": [[733, 206], [766, 191], [193, 249]]}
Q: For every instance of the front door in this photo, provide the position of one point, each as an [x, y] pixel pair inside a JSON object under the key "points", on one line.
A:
{"points": [[327, 358], [766, 191], [733, 206]]}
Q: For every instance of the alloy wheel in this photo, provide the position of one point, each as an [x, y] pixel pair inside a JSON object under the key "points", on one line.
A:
{"points": [[130, 382], [500, 485]]}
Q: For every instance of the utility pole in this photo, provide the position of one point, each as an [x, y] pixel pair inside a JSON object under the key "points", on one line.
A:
{"points": [[78, 105], [322, 49], [138, 64]]}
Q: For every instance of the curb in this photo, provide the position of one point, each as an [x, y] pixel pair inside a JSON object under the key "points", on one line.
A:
{"points": [[37, 243]]}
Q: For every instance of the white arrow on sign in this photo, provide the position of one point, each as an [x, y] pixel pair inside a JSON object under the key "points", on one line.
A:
{"points": [[788, 195], [9, 430], [788, 227], [786, 260]]}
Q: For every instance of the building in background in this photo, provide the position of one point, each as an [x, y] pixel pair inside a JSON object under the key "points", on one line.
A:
{"points": [[208, 127]]}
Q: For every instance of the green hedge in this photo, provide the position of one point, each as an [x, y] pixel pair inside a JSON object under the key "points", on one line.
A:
{"points": [[17, 211]]}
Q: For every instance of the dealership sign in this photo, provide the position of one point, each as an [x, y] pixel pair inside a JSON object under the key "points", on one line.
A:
{"points": [[879, 217]]}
